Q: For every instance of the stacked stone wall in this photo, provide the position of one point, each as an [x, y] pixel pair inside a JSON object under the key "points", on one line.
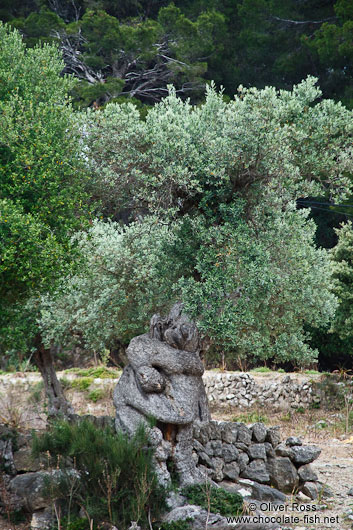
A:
{"points": [[242, 390]]}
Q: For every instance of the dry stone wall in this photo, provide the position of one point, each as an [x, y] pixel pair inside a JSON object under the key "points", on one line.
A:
{"points": [[229, 451], [242, 390]]}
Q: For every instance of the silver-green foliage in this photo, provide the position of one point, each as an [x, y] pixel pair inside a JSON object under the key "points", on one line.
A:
{"points": [[119, 285], [257, 289], [219, 184]]}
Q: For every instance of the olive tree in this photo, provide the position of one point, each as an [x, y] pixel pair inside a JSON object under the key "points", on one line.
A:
{"points": [[42, 199], [220, 181]]}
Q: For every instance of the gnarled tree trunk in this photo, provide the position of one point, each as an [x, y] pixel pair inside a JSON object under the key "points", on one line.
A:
{"points": [[57, 403]]}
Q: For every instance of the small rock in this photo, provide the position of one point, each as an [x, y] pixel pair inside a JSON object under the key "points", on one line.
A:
{"points": [[311, 490], [259, 432], [284, 450], [269, 450], [231, 471], [243, 461], [306, 473], [42, 520], [230, 432], [244, 434], [257, 451], [293, 440], [229, 453], [302, 497], [350, 492], [273, 436]]}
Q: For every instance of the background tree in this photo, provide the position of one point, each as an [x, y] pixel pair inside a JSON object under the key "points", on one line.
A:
{"points": [[41, 192], [134, 49]]}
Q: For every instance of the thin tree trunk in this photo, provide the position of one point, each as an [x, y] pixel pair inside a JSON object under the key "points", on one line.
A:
{"points": [[57, 403]]}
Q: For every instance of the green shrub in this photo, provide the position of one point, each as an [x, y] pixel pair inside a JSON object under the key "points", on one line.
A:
{"points": [[117, 481], [81, 383], [218, 500], [96, 371], [75, 523], [96, 394]]}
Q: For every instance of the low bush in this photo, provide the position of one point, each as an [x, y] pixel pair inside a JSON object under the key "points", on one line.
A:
{"points": [[96, 394], [115, 480], [216, 500], [81, 383]]}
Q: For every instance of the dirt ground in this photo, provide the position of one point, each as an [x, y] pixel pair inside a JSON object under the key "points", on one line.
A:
{"points": [[22, 405]]}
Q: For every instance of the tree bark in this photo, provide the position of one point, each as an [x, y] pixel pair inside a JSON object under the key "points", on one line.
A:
{"points": [[57, 403]]}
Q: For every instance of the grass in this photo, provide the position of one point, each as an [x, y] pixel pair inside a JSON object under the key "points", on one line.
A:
{"points": [[251, 417], [101, 372], [81, 383], [262, 370]]}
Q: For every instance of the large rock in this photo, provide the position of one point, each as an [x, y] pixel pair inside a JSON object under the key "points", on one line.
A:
{"points": [[304, 454], [201, 519], [283, 474], [163, 380], [257, 471], [261, 492]]}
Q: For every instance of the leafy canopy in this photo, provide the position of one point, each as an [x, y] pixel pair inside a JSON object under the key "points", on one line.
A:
{"points": [[211, 191], [41, 186]]}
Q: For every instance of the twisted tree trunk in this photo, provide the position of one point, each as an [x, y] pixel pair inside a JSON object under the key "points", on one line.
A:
{"points": [[57, 402]]}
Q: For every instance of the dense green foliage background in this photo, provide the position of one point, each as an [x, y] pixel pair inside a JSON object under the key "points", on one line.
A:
{"points": [[112, 212], [135, 48]]}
